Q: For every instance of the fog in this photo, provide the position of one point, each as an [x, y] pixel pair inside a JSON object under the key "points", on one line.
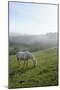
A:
{"points": [[33, 42]]}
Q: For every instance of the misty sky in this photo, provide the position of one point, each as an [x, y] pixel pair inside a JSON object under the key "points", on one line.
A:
{"points": [[28, 18]]}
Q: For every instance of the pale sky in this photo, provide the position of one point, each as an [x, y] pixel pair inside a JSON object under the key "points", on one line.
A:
{"points": [[28, 18]]}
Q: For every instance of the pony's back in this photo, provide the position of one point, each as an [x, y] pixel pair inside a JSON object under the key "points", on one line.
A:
{"points": [[24, 54]]}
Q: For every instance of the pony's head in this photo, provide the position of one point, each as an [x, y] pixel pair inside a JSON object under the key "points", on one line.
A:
{"points": [[34, 61]]}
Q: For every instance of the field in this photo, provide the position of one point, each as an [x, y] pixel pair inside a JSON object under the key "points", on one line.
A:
{"points": [[44, 74]]}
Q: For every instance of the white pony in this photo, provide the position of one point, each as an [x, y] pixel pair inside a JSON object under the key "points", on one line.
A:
{"points": [[25, 56]]}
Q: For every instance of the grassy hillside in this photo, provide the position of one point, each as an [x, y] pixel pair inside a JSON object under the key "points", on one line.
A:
{"points": [[45, 74]]}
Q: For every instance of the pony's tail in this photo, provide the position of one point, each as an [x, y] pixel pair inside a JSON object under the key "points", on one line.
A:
{"points": [[17, 57]]}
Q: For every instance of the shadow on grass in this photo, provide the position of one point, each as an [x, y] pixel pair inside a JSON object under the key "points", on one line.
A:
{"points": [[20, 70], [44, 71]]}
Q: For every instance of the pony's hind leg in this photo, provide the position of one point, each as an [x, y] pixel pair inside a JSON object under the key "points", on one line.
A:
{"points": [[19, 63]]}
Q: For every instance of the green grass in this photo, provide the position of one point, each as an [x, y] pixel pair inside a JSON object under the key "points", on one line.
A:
{"points": [[44, 74]]}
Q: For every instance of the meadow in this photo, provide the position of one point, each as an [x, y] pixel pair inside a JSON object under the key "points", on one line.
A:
{"points": [[44, 74]]}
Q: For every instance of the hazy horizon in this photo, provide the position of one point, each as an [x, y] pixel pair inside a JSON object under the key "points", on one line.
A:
{"points": [[32, 19], [17, 34]]}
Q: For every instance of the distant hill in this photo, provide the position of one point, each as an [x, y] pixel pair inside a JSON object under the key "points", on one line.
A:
{"points": [[33, 41]]}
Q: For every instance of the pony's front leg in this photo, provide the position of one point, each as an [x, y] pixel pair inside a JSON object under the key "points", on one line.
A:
{"points": [[26, 63], [19, 62]]}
